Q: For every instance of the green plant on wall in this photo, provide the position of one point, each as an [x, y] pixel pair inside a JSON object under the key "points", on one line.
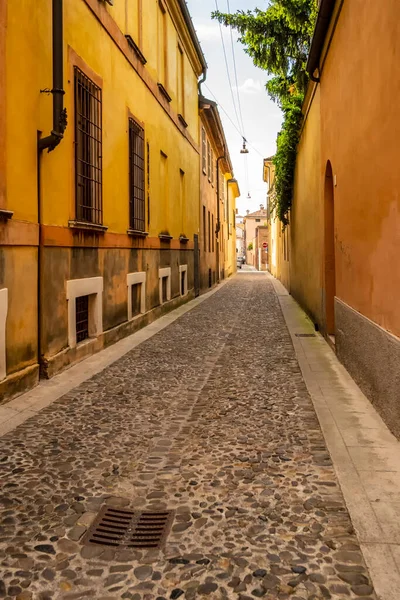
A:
{"points": [[250, 247], [278, 40]]}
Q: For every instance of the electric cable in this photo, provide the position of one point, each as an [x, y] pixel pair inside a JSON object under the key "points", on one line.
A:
{"points": [[227, 70], [236, 77]]}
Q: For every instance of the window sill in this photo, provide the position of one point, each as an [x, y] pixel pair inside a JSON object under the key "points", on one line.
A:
{"points": [[83, 226], [164, 92], [183, 239], [165, 237], [136, 49], [182, 120], [137, 233], [5, 215]]}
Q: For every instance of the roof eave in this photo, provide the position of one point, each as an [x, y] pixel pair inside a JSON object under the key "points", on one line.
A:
{"points": [[193, 34], [321, 28]]}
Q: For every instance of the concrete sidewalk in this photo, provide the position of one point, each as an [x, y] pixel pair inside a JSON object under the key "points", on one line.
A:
{"points": [[366, 456]]}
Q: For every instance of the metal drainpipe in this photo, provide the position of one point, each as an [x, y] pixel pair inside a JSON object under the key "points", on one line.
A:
{"points": [[218, 224], [202, 80], [59, 112], [50, 142]]}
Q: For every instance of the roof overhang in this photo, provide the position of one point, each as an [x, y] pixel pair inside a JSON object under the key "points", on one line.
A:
{"points": [[325, 13], [210, 113], [193, 34], [234, 183]]}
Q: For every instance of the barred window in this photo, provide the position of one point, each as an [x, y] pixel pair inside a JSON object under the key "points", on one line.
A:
{"points": [[88, 149], [82, 318], [204, 150], [137, 210]]}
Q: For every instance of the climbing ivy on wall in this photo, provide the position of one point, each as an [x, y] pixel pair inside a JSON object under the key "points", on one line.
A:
{"points": [[278, 40]]}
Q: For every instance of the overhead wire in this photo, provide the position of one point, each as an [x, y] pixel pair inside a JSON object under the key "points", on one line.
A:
{"points": [[227, 70], [235, 73]]}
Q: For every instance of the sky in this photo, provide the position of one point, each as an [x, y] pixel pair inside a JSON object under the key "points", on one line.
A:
{"points": [[261, 117]]}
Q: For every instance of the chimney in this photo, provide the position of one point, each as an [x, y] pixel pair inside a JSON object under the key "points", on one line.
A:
{"points": [[261, 206], [247, 212]]}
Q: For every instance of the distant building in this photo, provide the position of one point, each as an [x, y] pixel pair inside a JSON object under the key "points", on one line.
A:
{"points": [[218, 193], [240, 246], [251, 221], [278, 240]]}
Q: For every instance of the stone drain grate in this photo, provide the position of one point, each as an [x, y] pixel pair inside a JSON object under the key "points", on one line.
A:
{"points": [[129, 529], [305, 335]]}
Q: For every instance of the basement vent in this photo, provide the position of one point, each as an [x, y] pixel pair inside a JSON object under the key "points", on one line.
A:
{"points": [[305, 335], [129, 529]]}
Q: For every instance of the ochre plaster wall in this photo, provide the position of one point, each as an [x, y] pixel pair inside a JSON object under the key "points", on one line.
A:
{"points": [[306, 219], [360, 121]]}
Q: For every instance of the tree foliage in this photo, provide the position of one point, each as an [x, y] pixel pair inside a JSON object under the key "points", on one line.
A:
{"points": [[278, 41]]}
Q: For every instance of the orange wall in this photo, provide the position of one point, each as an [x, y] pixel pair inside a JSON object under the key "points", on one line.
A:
{"points": [[3, 16], [306, 218], [360, 119]]}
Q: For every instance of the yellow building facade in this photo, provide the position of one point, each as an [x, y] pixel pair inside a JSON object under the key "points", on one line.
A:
{"points": [[219, 191], [278, 239], [99, 222]]}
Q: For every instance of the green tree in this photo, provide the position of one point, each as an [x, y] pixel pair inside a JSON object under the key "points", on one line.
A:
{"points": [[278, 41]]}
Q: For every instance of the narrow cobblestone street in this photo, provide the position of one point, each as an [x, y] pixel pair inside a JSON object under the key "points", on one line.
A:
{"points": [[209, 418]]}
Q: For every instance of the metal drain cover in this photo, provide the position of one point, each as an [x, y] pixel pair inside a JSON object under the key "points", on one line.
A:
{"points": [[129, 529], [305, 335]]}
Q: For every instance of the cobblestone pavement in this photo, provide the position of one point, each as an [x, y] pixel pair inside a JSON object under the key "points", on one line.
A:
{"points": [[209, 418]]}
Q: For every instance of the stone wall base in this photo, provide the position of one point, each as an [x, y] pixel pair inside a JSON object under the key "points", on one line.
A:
{"points": [[372, 357], [17, 383]]}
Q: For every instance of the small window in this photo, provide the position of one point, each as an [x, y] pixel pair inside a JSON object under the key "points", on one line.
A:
{"points": [[137, 216], [82, 318], [208, 160], [164, 289], [209, 231], [212, 232], [88, 149], [204, 150], [181, 81], [136, 299], [183, 279], [258, 220], [136, 283], [164, 284], [212, 166], [204, 229]]}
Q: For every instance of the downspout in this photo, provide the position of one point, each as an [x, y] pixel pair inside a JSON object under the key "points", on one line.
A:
{"points": [[202, 80], [218, 224], [59, 112], [50, 142]]}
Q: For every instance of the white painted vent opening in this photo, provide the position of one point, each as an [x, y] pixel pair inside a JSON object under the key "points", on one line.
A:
{"points": [[92, 287], [136, 283], [164, 284], [183, 279]]}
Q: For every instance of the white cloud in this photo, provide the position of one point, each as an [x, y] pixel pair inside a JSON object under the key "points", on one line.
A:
{"points": [[210, 32], [252, 86]]}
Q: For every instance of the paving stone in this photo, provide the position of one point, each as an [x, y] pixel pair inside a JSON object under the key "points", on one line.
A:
{"points": [[192, 422]]}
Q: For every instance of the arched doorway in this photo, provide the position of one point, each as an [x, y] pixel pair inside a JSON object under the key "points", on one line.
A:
{"points": [[329, 254]]}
